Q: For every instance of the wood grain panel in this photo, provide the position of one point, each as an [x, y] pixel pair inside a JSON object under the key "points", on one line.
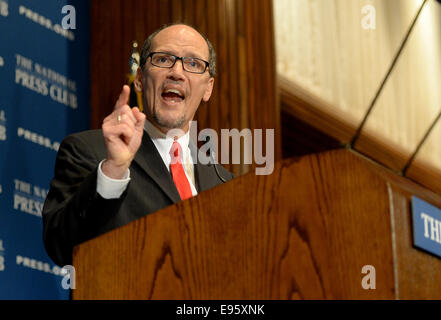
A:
{"points": [[242, 34], [300, 138], [256, 237], [426, 167], [418, 273], [410, 100], [323, 50]]}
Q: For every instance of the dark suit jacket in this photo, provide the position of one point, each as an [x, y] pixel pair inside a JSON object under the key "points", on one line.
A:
{"points": [[74, 212]]}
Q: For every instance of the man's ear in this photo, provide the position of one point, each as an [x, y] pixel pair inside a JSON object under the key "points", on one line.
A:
{"points": [[208, 90], [138, 80]]}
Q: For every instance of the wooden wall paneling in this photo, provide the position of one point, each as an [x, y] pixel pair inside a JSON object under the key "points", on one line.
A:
{"points": [[188, 11], [205, 113], [177, 11], [412, 263], [426, 166], [271, 74], [417, 273], [216, 100], [299, 138], [233, 55], [106, 74], [164, 11], [224, 68], [263, 75], [242, 63], [200, 16], [224, 59], [241, 31], [410, 100], [231, 60]]}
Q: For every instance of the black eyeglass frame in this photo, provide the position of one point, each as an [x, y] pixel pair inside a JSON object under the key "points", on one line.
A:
{"points": [[207, 64]]}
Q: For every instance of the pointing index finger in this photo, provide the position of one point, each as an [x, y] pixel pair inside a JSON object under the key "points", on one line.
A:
{"points": [[123, 97]]}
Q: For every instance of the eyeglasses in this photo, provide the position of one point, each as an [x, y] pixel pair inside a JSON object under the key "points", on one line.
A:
{"points": [[167, 60]]}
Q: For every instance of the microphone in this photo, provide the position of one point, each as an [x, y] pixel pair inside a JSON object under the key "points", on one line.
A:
{"points": [[212, 156]]}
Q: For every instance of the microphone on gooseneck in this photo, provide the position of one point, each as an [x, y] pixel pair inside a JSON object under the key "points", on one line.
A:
{"points": [[212, 155]]}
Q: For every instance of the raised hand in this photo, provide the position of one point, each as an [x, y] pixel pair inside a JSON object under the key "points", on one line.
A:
{"points": [[122, 130]]}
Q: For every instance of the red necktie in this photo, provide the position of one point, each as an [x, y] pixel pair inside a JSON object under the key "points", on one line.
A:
{"points": [[178, 173]]}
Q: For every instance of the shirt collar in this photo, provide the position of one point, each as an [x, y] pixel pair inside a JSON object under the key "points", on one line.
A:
{"points": [[163, 143]]}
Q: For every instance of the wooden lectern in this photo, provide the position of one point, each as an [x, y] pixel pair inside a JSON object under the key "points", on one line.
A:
{"points": [[303, 232]]}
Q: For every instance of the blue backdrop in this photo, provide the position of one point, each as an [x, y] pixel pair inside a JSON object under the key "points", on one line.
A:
{"points": [[44, 95]]}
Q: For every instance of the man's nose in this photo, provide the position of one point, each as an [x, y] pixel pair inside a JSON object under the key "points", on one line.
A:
{"points": [[177, 71]]}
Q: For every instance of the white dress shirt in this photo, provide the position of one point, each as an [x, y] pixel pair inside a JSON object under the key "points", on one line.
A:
{"points": [[110, 188]]}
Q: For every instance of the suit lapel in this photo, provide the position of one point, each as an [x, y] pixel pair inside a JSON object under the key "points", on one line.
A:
{"points": [[203, 177], [149, 159]]}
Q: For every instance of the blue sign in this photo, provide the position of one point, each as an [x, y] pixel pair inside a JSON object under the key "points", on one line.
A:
{"points": [[426, 226], [44, 96]]}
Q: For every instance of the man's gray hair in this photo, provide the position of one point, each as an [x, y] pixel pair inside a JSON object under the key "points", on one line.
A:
{"points": [[147, 46]]}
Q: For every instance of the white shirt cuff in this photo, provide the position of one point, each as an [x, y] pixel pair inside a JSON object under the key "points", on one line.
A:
{"points": [[109, 188]]}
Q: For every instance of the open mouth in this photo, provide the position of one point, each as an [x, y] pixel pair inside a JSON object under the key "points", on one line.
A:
{"points": [[172, 95]]}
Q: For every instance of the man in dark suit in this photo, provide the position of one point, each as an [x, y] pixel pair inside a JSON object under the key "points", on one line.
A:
{"points": [[133, 166]]}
